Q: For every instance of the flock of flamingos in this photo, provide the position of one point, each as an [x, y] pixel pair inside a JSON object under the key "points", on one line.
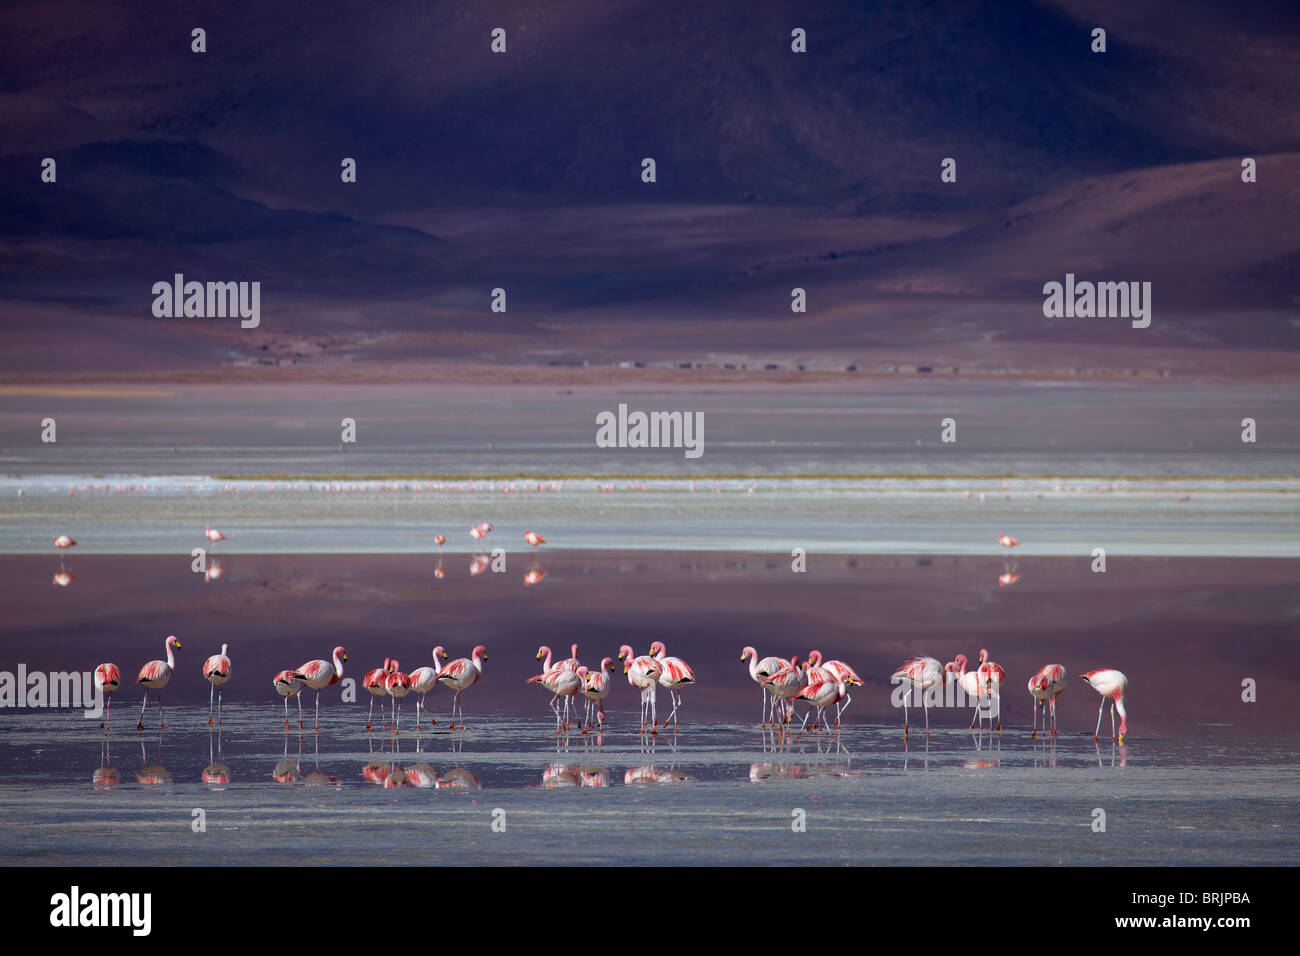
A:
{"points": [[820, 683]]}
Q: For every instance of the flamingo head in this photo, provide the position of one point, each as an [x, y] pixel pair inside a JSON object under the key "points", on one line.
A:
{"points": [[439, 650], [658, 648], [342, 655], [626, 653], [794, 660], [480, 651], [605, 663], [747, 653], [984, 655], [815, 654], [542, 650], [173, 642]]}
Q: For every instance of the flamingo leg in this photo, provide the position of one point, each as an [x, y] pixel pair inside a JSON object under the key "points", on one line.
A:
{"points": [[212, 692], [1099, 710], [370, 717], [286, 713], [925, 705], [219, 703], [906, 698], [162, 718], [140, 723]]}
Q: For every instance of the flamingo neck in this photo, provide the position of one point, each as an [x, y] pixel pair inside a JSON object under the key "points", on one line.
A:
{"points": [[338, 664], [547, 665], [171, 661]]}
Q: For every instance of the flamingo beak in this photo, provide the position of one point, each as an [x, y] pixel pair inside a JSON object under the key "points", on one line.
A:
{"points": [[344, 655]]}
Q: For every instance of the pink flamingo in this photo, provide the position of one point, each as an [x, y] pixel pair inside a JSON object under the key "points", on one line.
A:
{"points": [[596, 689], [561, 682], [991, 677], [571, 662], [786, 684], [423, 680], [643, 674], [439, 540], [759, 671], [320, 674], [63, 542], [821, 695], [1007, 541], [837, 671], [287, 684], [971, 685], [155, 676], [1046, 686], [462, 674], [533, 538], [217, 670], [921, 673], [212, 534], [1113, 684], [398, 686], [107, 679], [675, 674], [374, 682]]}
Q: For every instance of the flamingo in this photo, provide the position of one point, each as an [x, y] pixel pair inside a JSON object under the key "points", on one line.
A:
{"points": [[596, 689], [374, 682], [320, 674], [439, 540], [572, 662], [1046, 686], [675, 674], [288, 684], [155, 675], [63, 542], [561, 682], [217, 670], [212, 534], [835, 671], [786, 684], [991, 677], [970, 685], [759, 671], [423, 680], [533, 538], [1007, 541], [107, 679], [921, 673], [821, 695], [643, 674], [398, 686], [462, 674], [1113, 684]]}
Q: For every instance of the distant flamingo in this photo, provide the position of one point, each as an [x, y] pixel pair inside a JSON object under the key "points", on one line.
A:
{"points": [[921, 673], [212, 534], [675, 675], [155, 676], [1007, 541], [462, 674], [759, 671], [63, 542], [425, 679], [533, 538], [374, 682], [398, 686], [534, 576], [1046, 686], [63, 578], [287, 684], [319, 674], [217, 670], [643, 674], [107, 679], [1113, 684], [439, 540]]}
